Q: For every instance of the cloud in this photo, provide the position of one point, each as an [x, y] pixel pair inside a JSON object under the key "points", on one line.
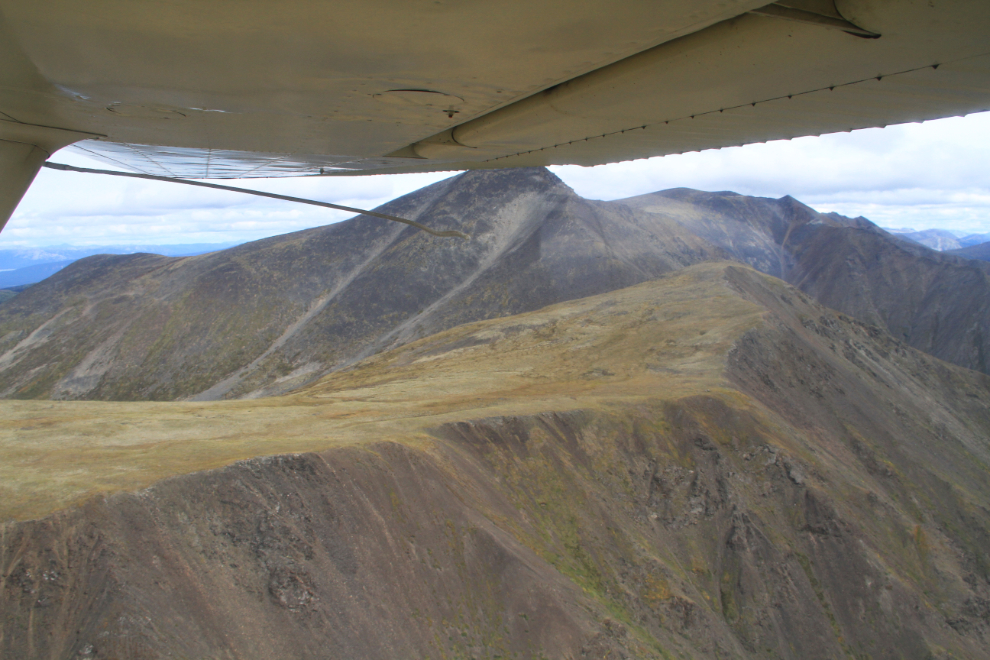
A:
{"points": [[915, 175], [87, 209], [933, 174]]}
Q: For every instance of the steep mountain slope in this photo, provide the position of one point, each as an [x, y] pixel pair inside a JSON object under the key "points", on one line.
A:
{"points": [[17, 258], [269, 316], [933, 301], [708, 465], [979, 251]]}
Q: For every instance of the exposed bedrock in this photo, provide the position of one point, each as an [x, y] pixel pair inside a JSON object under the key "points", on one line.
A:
{"points": [[826, 496], [693, 527]]}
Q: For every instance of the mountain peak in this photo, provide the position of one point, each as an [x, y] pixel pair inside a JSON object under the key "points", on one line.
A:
{"points": [[274, 315]]}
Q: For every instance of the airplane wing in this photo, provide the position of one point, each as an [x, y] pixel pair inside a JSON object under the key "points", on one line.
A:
{"points": [[252, 88]]}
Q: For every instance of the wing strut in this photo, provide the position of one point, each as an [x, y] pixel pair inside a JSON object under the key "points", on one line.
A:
{"points": [[259, 193]]}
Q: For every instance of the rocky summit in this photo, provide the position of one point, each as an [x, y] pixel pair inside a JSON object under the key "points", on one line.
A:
{"points": [[269, 316], [274, 315], [685, 425]]}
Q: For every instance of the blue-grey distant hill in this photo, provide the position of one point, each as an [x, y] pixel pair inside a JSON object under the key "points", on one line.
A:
{"points": [[30, 265], [974, 239], [942, 239], [936, 239], [13, 258], [30, 274], [981, 251]]}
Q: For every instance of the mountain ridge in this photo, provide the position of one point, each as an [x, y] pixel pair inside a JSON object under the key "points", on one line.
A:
{"points": [[934, 301], [707, 464], [365, 284], [979, 251], [271, 316]]}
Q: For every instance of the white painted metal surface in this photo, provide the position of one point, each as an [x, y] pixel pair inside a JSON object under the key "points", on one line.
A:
{"points": [[246, 88]]}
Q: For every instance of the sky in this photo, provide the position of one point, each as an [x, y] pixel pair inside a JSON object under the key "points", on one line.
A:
{"points": [[930, 175]]}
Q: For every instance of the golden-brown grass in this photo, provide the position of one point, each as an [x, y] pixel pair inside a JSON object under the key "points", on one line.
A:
{"points": [[659, 340]]}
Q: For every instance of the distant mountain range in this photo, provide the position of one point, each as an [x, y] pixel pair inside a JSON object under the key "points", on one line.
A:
{"points": [[934, 301], [273, 315], [980, 251], [29, 265], [942, 240], [21, 257]]}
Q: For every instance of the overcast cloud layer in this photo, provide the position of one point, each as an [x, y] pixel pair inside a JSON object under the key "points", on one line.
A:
{"points": [[931, 175]]}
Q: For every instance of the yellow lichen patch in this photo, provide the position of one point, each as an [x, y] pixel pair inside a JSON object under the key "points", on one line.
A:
{"points": [[655, 590]]}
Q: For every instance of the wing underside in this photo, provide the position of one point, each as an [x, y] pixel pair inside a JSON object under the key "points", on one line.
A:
{"points": [[179, 89]]}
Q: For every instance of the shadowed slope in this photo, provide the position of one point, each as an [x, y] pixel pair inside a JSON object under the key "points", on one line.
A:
{"points": [[935, 302], [980, 251]]}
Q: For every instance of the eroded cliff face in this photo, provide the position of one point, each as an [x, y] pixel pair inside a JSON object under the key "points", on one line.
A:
{"points": [[818, 491], [357, 553], [692, 528], [717, 537]]}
